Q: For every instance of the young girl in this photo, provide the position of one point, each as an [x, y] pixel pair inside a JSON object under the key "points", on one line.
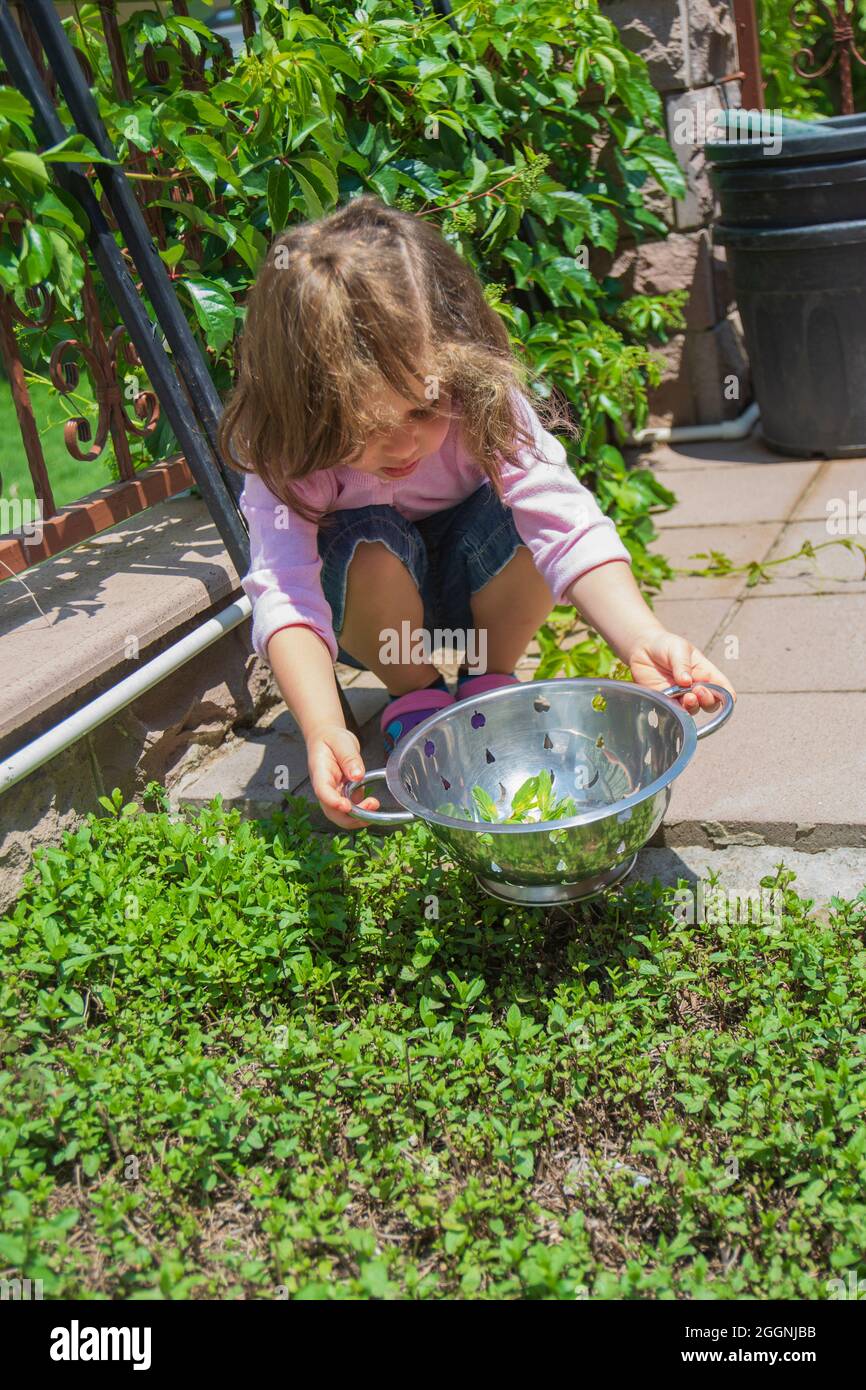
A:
{"points": [[401, 480]]}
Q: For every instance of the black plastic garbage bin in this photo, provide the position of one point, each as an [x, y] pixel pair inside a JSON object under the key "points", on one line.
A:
{"points": [[782, 195], [801, 293], [793, 204]]}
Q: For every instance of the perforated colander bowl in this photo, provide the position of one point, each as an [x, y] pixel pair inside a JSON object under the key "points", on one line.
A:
{"points": [[613, 747]]}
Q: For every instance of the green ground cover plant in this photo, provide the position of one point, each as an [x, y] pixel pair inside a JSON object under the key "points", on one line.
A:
{"points": [[247, 1060], [70, 478]]}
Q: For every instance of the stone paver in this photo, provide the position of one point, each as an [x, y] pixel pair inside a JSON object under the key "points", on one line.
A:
{"points": [[804, 643], [788, 768], [837, 478], [698, 619], [736, 497], [251, 774]]}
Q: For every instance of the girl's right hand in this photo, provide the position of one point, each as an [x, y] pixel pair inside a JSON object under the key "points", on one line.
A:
{"points": [[333, 758]]}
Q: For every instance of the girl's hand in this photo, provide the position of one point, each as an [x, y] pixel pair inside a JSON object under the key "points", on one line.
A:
{"points": [[334, 757], [661, 658]]}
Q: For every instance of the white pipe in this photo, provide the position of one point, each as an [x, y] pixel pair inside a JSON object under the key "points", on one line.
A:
{"points": [[691, 434], [89, 717]]}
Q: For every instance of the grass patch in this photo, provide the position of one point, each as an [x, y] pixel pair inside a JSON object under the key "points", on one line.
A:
{"points": [[70, 478], [246, 1060]]}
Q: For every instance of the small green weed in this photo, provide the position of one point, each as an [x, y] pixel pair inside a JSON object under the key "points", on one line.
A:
{"points": [[244, 1060]]}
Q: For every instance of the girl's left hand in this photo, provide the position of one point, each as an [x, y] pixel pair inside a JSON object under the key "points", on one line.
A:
{"points": [[662, 658]]}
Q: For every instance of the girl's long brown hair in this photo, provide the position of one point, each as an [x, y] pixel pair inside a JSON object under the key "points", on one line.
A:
{"points": [[364, 296]]}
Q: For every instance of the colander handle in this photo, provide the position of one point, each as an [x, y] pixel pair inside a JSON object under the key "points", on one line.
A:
{"points": [[724, 713], [381, 817]]}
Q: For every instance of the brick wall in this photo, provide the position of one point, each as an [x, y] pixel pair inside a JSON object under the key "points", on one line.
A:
{"points": [[690, 48]]}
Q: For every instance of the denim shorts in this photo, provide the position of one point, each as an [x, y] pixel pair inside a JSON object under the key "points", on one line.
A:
{"points": [[449, 554]]}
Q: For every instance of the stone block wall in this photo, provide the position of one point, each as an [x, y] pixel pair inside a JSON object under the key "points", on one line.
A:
{"points": [[162, 736], [690, 48]]}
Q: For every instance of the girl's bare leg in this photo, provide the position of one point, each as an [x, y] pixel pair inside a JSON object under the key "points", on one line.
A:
{"points": [[512, 607], [381, 594]]}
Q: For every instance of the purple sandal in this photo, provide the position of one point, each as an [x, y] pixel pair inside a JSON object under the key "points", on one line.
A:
{"points": [[410, 709], [476, 685]]}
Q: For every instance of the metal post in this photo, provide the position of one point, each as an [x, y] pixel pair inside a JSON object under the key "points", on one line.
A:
{"points": [[749, 51]]}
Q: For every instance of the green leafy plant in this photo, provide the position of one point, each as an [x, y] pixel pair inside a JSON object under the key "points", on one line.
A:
{"points": [[656, 315], [532, 802], [252, 1061]]}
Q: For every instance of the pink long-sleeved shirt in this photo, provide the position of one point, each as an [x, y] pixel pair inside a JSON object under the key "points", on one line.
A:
{"points": [[556, 516]]}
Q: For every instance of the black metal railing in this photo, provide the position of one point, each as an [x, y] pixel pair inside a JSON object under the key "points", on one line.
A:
{"points": [[40, 60], [193, 412], [843, 49]]}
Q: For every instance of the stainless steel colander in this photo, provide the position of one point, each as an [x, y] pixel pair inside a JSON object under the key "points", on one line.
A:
{"points": [[615, 748]]}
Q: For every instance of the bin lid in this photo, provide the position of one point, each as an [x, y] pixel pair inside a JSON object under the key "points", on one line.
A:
{"points": [[747, 136]]}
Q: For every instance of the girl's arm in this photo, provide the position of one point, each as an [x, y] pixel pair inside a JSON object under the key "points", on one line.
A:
{"points": [[568, 535], [284, 578], [556, 515], [611, 602], [292, 629], [304, 671]]}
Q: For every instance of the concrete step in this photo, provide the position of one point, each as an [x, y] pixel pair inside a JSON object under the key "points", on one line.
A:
{"points": [[97, 609], [740, 868]]}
